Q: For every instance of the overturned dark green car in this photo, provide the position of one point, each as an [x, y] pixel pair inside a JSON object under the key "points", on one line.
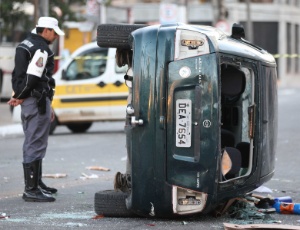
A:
{"points": [[203, 119]]}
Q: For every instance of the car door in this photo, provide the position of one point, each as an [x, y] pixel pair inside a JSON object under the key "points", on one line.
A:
{"points": [[91, 88]]}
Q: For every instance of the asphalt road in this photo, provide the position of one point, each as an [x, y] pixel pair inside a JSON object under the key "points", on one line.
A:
{"points": [[104, 145]]}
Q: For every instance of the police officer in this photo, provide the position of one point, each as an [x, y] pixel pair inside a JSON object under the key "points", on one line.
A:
{"points": [[33, 88]]}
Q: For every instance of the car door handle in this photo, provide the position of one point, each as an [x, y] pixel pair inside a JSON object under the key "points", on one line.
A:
{"points": [[136, 122]]}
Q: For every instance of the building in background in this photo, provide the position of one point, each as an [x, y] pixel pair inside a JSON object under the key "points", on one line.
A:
{"points": [[271, 24], [275, 23]]}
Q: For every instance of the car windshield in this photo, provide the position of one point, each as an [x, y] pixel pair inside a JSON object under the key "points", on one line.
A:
{"points": [[88, 65]]}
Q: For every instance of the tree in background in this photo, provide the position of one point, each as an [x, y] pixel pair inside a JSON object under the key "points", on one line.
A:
{"points": [[11, 16], [64, 7], [16, 23]]}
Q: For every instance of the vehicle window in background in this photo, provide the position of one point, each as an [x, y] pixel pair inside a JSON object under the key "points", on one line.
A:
{"points": [[122, 69], [87, 66]]}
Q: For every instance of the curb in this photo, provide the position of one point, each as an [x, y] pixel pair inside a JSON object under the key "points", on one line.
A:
{"points": [[11, 130]]}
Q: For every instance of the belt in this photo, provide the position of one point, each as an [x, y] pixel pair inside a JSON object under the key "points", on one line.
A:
{"points": [[37, 94]]}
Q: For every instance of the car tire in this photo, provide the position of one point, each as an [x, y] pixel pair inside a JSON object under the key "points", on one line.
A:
{"points": [[79, 127], [111, 203], [116, 35]]}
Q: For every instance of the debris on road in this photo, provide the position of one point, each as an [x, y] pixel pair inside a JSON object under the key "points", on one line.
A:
{"points": [[287, 208], [282, 205], [71, 224], [99, 168], [228, 226], [55, 175], [98, 217], [267, 210], [85, 176], [263, 189], [253, 212], [4, 216], [242, 209]]}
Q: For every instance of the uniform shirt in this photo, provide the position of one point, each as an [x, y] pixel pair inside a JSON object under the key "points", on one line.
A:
{"points": [[21, 81]]}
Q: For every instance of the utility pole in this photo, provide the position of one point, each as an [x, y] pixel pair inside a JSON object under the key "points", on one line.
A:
{"points": [[249, 33], [36, 9], [130, 19], [44, 8], [219, 11], [215, 10], [41, 8], [220, 16], [222, 10], [102, 11]]}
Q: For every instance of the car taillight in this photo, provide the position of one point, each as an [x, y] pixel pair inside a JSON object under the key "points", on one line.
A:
{"points": [[187, 201], [190, 43]]}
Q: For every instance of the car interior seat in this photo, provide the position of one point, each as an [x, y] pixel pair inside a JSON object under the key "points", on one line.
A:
{"points": [[227, 138], [233, 82], [231, 162], [244, 148]]}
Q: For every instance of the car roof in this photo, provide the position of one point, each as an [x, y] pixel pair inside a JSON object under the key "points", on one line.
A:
{"points": [[88, 46]]}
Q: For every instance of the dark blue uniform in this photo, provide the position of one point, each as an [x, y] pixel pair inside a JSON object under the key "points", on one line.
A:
{"points": [[32, 82], [36, 124]]}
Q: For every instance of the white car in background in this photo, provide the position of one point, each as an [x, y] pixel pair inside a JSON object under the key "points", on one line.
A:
{"points": [[89, 87]]}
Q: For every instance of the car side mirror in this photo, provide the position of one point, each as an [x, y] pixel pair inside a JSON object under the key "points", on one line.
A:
{"points": [[238, 31]]}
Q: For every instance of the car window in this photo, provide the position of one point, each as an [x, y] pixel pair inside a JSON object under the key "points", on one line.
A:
{"points": [[122, 69], [88, 65]]}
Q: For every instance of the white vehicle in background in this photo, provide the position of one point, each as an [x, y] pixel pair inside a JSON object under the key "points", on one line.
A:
{"points": [[89, 87], [7, 53]]}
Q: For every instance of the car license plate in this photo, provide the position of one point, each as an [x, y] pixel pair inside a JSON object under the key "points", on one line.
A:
{"points": [[183, 122]]}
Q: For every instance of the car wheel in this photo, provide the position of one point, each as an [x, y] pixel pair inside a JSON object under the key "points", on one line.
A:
{"points": [[111, 203], [79, 127], [116, 35]]}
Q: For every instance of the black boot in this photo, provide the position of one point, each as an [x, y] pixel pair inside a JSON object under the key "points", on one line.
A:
{"points": [[41, 183], [32, 191]]}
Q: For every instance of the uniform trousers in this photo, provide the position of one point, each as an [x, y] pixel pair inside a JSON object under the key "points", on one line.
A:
{"points": [[36, 129]]}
